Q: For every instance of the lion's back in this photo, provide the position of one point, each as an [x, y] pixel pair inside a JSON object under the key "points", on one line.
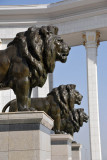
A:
{"points": [[40, 104]]}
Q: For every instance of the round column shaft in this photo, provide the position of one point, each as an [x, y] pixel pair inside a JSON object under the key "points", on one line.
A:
{"points": [[91, 41]]}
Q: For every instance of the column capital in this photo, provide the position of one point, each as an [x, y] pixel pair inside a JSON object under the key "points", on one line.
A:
{"points": [[91, 39]]}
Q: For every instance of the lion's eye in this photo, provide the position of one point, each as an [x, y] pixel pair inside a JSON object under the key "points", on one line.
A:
{"points": [[61, 40]]}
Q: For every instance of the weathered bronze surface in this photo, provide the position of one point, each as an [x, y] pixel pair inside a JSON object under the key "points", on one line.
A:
{"points": [[28, 59], [59, 104]]}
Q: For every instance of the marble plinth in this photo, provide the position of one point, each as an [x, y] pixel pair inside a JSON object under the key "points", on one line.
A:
{"points": [[61, 147], [25, 136], [76, 151]]}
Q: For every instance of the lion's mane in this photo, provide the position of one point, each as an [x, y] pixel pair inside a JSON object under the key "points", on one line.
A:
{"points": [[64, 95], [36, 46]]}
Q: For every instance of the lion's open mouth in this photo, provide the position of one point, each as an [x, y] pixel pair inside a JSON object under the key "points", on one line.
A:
{"points": [[86, 117], [62, 57], [79, 100]]}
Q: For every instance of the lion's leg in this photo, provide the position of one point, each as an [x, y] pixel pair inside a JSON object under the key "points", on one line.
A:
{"points": [[57, 123], [21, 90], [55, 111], [13, 106]]}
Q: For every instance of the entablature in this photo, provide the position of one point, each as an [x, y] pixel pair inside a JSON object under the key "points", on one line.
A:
{"points": [[73, 17]]}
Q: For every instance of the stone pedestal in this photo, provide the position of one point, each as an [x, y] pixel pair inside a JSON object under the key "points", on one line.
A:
{"points": [[25, 136], [76, 151], [61, 147]]}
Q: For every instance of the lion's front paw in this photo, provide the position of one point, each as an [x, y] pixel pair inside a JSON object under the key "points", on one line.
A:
{"points": [[23, 109], [57, 132], [62, 132], [2, 85], [32, 109]]}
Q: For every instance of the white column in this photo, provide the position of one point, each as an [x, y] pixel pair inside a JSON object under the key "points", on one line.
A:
{"points": [[50, 81], [42, 92], [91, 41], [47, 87]]}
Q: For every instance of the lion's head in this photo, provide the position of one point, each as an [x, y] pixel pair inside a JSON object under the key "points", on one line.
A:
{"points": [[77, 96], [66, 96], [82, 116], [41, 47], [74, 121]]}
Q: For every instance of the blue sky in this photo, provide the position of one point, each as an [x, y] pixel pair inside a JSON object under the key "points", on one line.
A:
{"points": [[22, 2], [74, 71]]}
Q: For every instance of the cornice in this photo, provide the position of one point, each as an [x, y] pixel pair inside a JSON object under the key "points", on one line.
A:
{"points": [[27, 15], [63, 6], [71, 17]]}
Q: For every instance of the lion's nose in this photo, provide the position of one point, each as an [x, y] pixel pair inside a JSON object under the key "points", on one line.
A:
{"points": [[67, 48]]}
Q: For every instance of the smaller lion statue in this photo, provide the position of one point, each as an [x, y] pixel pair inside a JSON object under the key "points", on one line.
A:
{"points": [[72, 122], [59, 104]]}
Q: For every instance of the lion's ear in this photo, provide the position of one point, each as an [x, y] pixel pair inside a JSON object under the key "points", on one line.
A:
{"points": [[32, 29], [53, 29], [56, 30], [70, 86], [44, 31]]}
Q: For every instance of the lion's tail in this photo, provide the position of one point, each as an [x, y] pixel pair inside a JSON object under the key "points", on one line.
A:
{"points": [[7, 105]]}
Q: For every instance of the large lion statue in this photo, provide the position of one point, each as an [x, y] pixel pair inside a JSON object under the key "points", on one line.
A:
{"points": [[59, 104], [28, 59]]}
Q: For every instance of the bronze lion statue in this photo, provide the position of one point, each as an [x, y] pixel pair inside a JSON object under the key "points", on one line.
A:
{"points": [[59, 104], [28, 59], [72, 121]]}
